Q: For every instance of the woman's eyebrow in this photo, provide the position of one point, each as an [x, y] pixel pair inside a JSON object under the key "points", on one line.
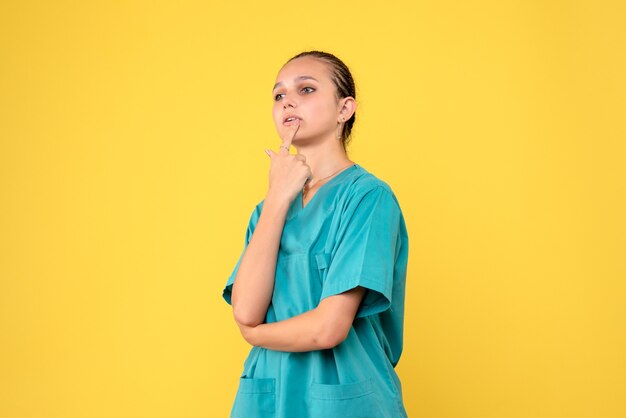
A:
{"points": [[302, 77]]}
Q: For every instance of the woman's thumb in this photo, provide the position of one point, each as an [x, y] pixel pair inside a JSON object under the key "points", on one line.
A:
{"points": [[270, 153]]}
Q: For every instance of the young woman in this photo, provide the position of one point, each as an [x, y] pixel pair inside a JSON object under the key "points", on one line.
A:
{"points": [[318, 290]]}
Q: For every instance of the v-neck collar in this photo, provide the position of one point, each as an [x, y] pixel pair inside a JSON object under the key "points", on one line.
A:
{"points": [[296, 207]]}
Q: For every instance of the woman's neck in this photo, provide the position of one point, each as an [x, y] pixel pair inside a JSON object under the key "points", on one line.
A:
{"points": [[324, 158]]}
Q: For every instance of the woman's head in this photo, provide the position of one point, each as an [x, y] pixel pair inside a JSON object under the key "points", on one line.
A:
{"points": [[317, 88]]}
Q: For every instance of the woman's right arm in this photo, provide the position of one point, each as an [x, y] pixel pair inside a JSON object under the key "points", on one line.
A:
{"points": [[254, 283]]}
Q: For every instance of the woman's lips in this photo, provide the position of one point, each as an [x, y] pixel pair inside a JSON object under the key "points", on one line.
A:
{"points": [[291, 122]]}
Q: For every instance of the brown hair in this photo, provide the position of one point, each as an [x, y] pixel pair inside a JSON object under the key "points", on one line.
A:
{"points": [[342, 78]]}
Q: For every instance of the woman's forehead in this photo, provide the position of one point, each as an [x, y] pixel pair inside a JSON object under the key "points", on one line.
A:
{"points": [[302, 68]]}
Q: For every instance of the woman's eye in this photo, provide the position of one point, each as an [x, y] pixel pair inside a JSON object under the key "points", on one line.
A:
{"points": [[277, 97]]}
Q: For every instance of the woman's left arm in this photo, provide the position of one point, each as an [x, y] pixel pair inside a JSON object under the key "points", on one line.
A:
{"points": [[321, 328]]}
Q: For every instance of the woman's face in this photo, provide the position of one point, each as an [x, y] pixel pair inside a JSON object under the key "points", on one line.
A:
{"points": [[304, 90]]}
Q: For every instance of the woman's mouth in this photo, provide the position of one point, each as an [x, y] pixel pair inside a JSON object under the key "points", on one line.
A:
{"points": [[291, 120]]}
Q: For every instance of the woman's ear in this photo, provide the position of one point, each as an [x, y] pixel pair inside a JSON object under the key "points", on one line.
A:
{"points": [[347, 109]]}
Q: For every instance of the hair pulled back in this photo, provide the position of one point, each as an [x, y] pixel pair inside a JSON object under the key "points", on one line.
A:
{"points": [[342, 78]]}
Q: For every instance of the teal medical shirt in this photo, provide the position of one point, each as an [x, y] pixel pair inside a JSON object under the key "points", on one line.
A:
{"points": [[351, 233]]}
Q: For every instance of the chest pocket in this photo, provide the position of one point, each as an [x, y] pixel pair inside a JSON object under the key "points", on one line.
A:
{"points": [[323, 262]]}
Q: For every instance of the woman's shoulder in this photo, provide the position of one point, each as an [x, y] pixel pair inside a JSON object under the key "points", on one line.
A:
{"points": [[364, 182]]}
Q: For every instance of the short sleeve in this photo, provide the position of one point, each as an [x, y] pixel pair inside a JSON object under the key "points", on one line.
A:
{"points": [[365, 251], [228, 288]]}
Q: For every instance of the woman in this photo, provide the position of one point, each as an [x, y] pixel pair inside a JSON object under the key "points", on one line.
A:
{"points": [[318, 290]]}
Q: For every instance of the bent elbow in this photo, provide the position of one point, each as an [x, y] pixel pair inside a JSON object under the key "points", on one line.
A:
{"points": [[245, 317], [332, 337]]}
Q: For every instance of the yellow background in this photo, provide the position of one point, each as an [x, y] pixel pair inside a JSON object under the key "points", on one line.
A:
{"points": [[131, 156]]}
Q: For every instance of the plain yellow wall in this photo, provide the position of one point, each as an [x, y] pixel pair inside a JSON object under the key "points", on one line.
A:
{"points": [[131, 156]]}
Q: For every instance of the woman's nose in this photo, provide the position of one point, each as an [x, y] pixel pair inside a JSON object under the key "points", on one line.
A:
{"points": [[288, 102]]}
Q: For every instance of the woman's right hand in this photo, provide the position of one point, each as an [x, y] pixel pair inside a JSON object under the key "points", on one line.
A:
{"points": [[288, 172]]}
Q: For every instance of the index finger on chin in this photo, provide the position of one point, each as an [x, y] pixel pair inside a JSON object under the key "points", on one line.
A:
{"points": [[290, 136]]}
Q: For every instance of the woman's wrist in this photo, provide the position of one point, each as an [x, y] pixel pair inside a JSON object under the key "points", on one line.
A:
{"points": [[277, 201]]}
